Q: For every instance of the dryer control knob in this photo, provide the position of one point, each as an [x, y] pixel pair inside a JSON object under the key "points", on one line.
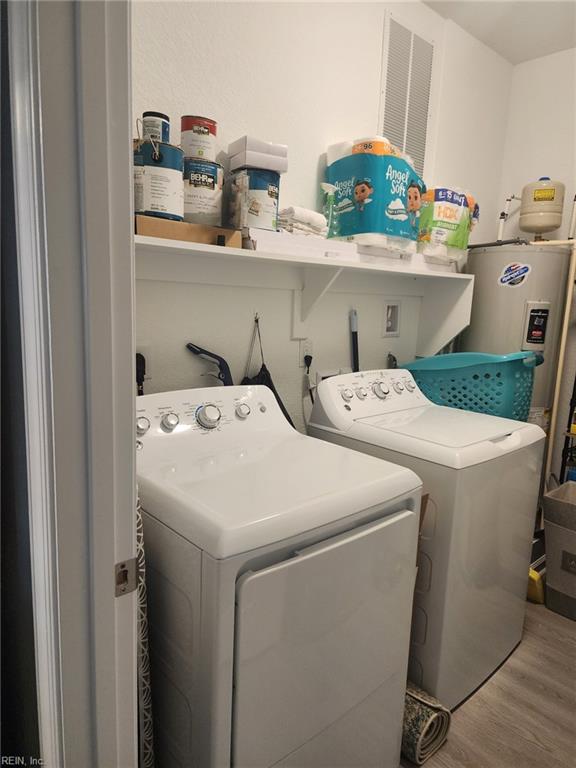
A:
{"points": [[169, 422], [380, 390], [361, 393], [242, 410], [142, 425], [398, 387], [347, 394], [208, 416], [410, 386]]}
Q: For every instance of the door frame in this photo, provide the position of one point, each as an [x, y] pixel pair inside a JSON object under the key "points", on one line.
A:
{"points": [[71, 127]]}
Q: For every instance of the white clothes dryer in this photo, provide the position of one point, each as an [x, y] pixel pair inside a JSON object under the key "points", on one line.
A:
{"points": [[482, 474], [280, 574]]}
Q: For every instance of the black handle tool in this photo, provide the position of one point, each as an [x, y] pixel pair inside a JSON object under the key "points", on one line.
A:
{"points": [[223, 368]]}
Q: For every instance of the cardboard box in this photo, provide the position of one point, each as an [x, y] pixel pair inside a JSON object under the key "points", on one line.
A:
{"points": [[252, 144], [153, 226], [250, 159]]}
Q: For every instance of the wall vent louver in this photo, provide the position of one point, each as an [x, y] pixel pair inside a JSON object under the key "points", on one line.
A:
{"points": [[407, 77]]}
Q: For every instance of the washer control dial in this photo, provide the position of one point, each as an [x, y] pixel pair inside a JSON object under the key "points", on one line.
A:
{"points": [[380, 390], [410, 386], [347, 394], [361, 393], [169, 422], [242, 410], [398, 387], [208, 416], [142, 425]]}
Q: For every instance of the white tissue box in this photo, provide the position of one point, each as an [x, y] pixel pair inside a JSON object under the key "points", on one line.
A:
{"points": [[250, 159], [250, 144]]}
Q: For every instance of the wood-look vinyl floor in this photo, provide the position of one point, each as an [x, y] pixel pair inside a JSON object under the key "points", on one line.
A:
{"points": [[525, 715]]}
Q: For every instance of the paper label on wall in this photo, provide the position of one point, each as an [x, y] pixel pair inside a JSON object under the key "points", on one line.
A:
{"points": [[514, 274]]}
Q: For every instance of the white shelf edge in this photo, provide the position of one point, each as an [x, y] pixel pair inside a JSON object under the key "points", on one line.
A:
{"points": [[398, 267]]}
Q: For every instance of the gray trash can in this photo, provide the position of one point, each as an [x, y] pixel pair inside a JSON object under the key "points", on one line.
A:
{"points": [[560, 532]]}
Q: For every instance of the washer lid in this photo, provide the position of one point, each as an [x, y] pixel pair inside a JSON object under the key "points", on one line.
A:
{"points": [[447, 436], [264, 491]]}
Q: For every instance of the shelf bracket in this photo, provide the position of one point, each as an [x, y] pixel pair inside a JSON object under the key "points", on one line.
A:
{"points": [[316, 281]]}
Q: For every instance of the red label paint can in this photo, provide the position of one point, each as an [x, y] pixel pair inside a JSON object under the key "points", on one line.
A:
{"points": [[198, 137]]}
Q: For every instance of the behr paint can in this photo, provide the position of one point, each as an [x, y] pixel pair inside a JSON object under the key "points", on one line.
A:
{"points": [[156, 127], [158, 189], [252, 198], [198, 137], [203, 183]]}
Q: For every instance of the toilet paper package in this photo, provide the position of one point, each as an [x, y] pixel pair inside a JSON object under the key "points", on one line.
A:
{"points": [[377, 195], [445, 222]]}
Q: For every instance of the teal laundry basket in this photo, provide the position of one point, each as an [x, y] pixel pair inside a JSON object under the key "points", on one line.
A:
{"points": [[497, 384]]}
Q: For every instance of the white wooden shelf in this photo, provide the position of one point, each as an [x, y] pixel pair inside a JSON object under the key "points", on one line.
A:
{"points": [[446, 295], [410, 267]]}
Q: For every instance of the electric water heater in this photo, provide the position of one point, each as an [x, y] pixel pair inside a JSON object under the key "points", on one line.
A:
{"points": [[518, 305]]}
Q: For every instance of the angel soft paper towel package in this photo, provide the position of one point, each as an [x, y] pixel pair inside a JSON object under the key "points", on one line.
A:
{"points": [[378, 193]]}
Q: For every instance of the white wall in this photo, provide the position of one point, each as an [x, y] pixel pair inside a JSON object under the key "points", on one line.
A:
{"points": [[541, 141], [473, 116], [306, 75], [220, 318], [541, 135], [302, 74]]}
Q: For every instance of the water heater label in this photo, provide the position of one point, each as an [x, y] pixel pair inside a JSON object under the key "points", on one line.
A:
{"points": [[547, 195], [537, 322], [514, 274]]}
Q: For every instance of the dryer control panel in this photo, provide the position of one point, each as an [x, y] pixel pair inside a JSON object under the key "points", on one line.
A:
{"points": [[367, 393], [221, 412]]}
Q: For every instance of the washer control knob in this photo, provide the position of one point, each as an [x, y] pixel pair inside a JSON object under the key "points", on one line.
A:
{"points": [[361, 393], [242, 410], [169, 422], [380, 390], [208, 416], [410, 386], [142, 425], [398, 387], [347, 394]]}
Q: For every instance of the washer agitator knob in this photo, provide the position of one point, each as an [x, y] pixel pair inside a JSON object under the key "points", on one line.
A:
{"points": [[208, 416], [380, 390]]}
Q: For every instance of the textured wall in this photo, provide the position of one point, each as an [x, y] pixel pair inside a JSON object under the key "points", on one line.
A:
{"points": [[220, 318], [541, 142]]}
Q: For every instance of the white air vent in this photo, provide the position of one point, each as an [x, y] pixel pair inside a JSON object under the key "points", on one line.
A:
{"points": [[406, 83]]}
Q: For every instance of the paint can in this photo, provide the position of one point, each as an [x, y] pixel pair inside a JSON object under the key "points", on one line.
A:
{"points": [[203, 183], [158, 180], [252, 198], [198, 137], [155, 127]]}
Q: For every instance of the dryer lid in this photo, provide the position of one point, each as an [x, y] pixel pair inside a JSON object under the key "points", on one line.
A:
{"points": [[272, 488]]}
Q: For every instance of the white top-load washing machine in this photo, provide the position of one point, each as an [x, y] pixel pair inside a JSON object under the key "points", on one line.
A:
{"points": [[482, 474], [280, 574]]}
